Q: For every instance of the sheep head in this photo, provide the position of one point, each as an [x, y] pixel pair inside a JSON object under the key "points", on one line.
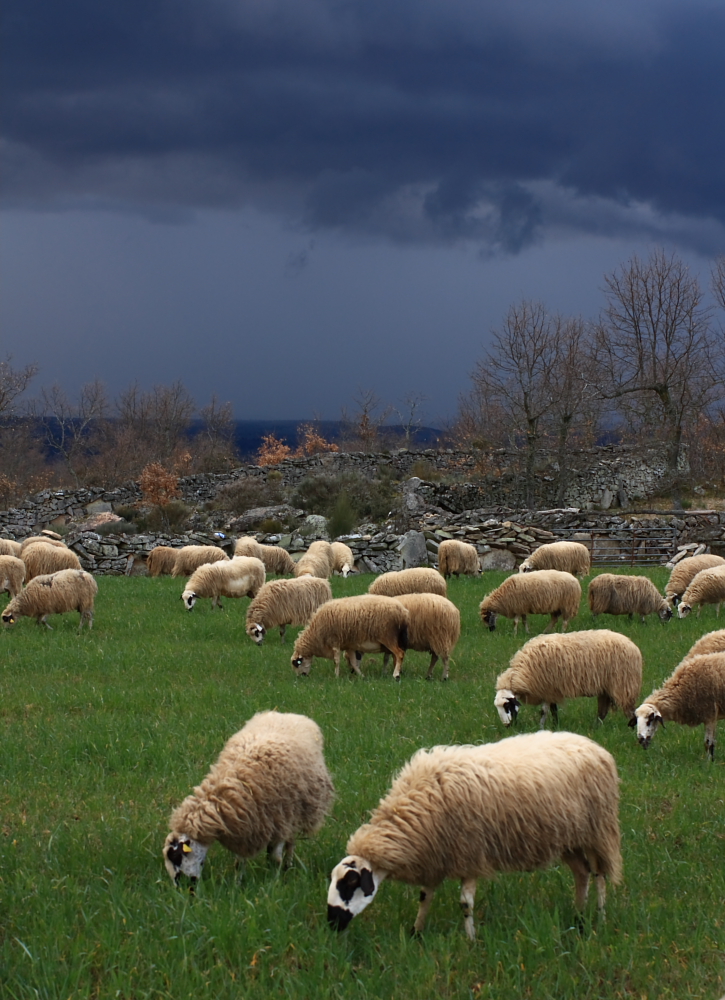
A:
{"points": [[507, 705], [189, 598], [683, 609], [665, 612], [184, 856], [489, 618], [8, 618], [301, 665], [353, 885], [646, 718], [256, 632]]}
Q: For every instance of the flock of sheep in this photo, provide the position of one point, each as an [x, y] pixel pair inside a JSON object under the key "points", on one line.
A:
{"points": [[461, 812]]}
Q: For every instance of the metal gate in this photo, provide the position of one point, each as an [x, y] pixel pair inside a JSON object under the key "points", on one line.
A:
{"points": [[633, 546]]}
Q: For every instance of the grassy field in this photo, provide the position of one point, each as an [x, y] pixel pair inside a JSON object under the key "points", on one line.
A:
{"points": [[103, 733]]}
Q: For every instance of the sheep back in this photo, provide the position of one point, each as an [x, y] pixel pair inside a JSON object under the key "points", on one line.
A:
{"points": [[434, 626], [9, 547], [242, 576], [42, 559], [456, 557], [277, 560], [316, 561], [515, 805], [161, 560], [247, 546], [695, 691], [546, 592], [55, 593], [12, 574], [420, 580], [269, 784], [286, 602], [684, 572], [569, 557], [190, 557], [711, 642], [615, 594], [552, 668], [44, 539], [706, 587]]}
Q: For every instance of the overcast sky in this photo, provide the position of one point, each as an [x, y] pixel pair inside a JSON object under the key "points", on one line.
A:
{"points": [[288, 201]]}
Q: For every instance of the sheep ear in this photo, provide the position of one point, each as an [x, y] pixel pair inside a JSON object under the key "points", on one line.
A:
{"points": [[367, 883], [632, 722]]}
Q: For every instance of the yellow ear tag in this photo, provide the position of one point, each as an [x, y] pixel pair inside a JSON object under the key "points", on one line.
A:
{"points": [[186, 848]]}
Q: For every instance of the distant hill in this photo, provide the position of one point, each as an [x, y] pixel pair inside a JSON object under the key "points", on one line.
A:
{"points": [[249, 433]]}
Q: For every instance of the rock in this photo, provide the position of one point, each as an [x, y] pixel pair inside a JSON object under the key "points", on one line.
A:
{"points": [[413, 549], [605, 500], [498, 559], [99, 507]]}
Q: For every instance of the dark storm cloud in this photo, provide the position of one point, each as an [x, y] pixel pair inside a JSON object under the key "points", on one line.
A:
{"points": [[426, 121]]}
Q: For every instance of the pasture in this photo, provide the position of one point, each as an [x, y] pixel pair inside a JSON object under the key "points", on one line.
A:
{"points": [[103, 733]]}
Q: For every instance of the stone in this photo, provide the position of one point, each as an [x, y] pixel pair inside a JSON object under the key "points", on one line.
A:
{"points": [[605, 500], [498, 559], [413, 549], [99, 507]]}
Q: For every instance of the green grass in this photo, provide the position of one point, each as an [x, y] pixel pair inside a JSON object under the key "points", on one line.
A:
{"points": [[103, 733]]}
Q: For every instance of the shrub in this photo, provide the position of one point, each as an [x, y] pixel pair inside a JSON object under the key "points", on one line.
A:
{"points": [[245, 494], [167, 517], [343, 518], [373, 497], [122, 527], [424, 469], [270, 526]]}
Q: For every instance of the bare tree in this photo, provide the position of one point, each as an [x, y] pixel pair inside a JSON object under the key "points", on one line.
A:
{"points": [[73, 429], [655, 352], [411, 415], [13, 382], [718, 281], [363, 428], [158, 420], [214, 445]]}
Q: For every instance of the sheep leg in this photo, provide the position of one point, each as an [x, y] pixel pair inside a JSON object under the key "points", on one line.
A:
{"points": [[604, 703], [354, 659], [544, 713], [282, 630], [398, 655], [526, 624], [386, 659], [425, 900], [336, 658], [516, 624], [552, 624], [468, 896], [581, 871], [275, 851], [710, 739], [717, 609], [44, 621], [554, 708]]}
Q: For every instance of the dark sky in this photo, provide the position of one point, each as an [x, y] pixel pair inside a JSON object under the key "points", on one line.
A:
{"points": [[287, 201]]}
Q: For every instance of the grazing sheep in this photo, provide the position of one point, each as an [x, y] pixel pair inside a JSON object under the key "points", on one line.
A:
{"points": [[241, 576], [409, 581], [708, 587], [161, 560], [12, 575], [54, 594], [268, 786], [693, 695], [612, 594], [546, 592], [247, 546], [42, 558], [285, 602], [8, 547], [455, 557], [316, 561], [569, 557], [548, 669], [711, 642], [434, 627], [365, 624], [276, 559], [191, 557], [685, 571], [343, 560], [466, 812], [45, 539]]}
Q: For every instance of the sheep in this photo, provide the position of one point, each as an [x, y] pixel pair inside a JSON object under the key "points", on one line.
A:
{"points": [[45, 539], [684, 572], [420, 580], [466, 812], [367, 624], [191, 557], [9, 547], [160, 560], [711, 642], [42, 559], [546, 592], [12, 575], [275, 559], [241, 576], [455, 557], [434, 627], [550, 668], [343, 559], [316, 561], [692, 695], [285, 602], [708, 587], [612, 594], [569, 557], [268, 786], [54, 594], [247, 546]]}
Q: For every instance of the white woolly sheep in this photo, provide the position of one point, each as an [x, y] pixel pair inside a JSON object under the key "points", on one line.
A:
{"points": [[316, 561], [708, 587], [711, 642], [161, 560], [275, 558], [247, 545], [456, 557], [685, 571], [241, 576], [55, 594], [43, 559], [46, 539], [434, 627], [9, 547], [285, 602], [568, 557], [268, 787], [613, 594], [693, 695], [343, 559], [524, 803], [546, 592], [364, 624], [12, 575], [420, 580], [548, 669], [191, 557]]}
